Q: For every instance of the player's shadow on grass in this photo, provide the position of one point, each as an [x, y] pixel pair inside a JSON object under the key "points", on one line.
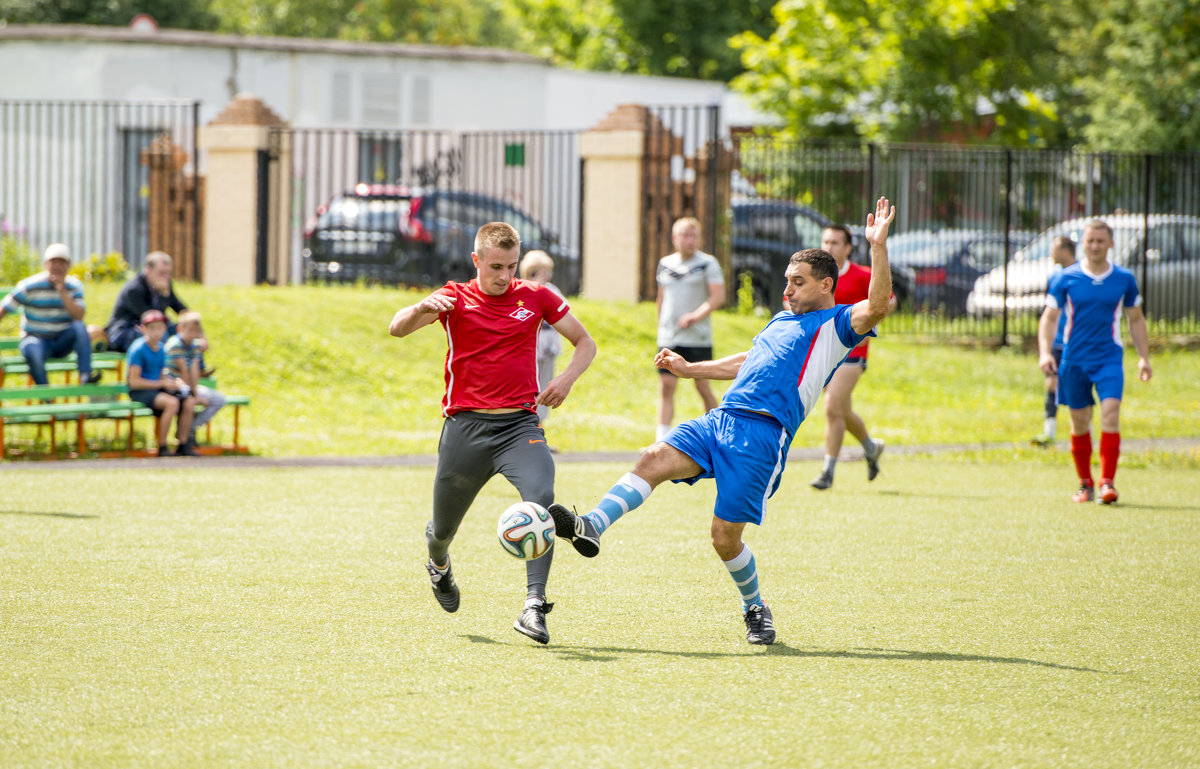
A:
{"points": [[48, 514], [906, 655], [614, 653]]}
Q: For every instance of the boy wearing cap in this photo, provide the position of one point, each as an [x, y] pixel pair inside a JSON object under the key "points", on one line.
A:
{"points": [[167, 397], [52, 309]]}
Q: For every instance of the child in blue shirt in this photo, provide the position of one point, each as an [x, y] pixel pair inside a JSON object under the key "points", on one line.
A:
{"points": [[169, 398]]}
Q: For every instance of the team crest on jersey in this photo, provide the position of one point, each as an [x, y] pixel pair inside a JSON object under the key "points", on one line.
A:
{"points": [[522, 313]]}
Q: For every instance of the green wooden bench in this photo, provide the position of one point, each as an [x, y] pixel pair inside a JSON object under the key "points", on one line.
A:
{"points": [[51, 404]]}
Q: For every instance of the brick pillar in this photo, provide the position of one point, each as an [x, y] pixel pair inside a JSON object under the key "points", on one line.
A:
{"points": [[232, 142], [612, 153]]}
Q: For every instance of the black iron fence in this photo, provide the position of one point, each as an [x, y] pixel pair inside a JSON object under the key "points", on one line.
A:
{"points": [[402, 207], [101, 177], [970, 246]]}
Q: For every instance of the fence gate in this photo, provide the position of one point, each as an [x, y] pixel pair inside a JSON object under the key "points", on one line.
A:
{"points": [[102, 177], [685, 172]]}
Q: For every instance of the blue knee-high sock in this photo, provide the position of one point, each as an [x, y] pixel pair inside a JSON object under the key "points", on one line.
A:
{"points": [[745, 575], [628, 493]]}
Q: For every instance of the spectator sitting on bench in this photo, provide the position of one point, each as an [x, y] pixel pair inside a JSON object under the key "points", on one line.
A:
{"points": [[52, 317], [169, 398], [151, 289], [183, 364]]}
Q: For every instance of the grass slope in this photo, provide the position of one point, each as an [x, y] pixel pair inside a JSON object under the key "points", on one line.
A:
{"points": [[327, 379], [949, 614]]}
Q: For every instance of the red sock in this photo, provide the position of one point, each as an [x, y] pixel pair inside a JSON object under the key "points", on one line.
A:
{"points": [[1110, 452], [1081, 450]]}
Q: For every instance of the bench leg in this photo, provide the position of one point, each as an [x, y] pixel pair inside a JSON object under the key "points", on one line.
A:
{"points": [[237, 412], [80, 446]]}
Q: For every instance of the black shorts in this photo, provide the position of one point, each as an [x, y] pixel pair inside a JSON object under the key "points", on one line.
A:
{"points": [[690, 354], [146, 398]]}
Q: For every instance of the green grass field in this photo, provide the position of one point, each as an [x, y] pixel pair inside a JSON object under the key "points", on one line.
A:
{"points": [[950, 614], [326, 379], [958, 611]]}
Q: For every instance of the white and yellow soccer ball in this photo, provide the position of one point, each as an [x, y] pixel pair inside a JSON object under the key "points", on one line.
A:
{"points": [[526, 531]]}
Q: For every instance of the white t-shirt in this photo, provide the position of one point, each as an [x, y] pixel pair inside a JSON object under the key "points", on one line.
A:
{"points": [[685, 287]]}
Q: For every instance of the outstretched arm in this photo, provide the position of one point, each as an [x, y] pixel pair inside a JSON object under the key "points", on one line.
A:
{"points": [[725, 368], [866, 314]]}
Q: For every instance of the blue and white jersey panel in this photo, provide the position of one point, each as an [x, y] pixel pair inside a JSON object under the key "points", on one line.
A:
{"points": [[1092, 305], [790, 362], [44, 314]]}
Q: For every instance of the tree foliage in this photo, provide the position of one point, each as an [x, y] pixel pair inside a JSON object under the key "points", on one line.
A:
{"points": [[182, 14], [1135, 69], [683, 38], [902, 70], [445, 22]]}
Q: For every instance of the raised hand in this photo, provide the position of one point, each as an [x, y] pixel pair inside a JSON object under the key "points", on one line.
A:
{"points": [[877, 223]]}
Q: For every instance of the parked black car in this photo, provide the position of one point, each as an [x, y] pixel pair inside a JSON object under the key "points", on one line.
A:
{"points": [[394, 234], [765, 235]]}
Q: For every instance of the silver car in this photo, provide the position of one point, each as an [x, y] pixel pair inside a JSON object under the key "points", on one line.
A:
{"points": [[1166, 264]]}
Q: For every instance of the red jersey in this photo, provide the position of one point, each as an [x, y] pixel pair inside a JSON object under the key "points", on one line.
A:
{"points": [[491, 355], [852, 286]]}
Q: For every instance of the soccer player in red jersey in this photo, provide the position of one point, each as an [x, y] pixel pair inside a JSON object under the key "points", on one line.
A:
{"points": [[491, 401], [840, 416]]}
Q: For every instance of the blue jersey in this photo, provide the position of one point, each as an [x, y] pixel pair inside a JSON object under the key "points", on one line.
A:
{"points": [[1092, 305], [152, 362], [790, 362]]}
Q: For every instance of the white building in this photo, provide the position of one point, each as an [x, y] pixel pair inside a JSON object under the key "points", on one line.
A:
{"points": [[333, 83]]}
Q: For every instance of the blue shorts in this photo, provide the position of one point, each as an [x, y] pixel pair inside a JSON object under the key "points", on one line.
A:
{"points": [[1075, 383], [744, 451]]}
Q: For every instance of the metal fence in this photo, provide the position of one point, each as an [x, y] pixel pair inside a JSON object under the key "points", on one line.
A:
{"points": [[970, 244], [404, 206], [102, 177]]}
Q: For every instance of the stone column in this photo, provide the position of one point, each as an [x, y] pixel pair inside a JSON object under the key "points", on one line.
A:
{"points": [[232, 142], [612, 152]]}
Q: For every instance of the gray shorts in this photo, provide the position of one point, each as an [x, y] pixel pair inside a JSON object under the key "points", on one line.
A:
{"points": [[476, 446]]}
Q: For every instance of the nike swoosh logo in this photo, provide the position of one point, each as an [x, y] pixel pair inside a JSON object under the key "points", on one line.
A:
{"points": [[533, 441], [470, 306]]}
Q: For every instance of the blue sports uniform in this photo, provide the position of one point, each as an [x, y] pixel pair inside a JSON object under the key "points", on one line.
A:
{"points": [[1092, 347], [744, 442]]}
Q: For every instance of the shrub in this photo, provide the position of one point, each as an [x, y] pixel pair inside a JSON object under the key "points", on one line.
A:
{"points": [[112, 267]]}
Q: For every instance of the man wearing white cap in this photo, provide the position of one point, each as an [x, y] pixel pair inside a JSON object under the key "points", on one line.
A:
{"points": [[52, 316]]}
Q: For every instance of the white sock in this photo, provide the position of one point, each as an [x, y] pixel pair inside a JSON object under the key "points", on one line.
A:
{"points": [[661, 432], [830, 463], [1049, 425]]}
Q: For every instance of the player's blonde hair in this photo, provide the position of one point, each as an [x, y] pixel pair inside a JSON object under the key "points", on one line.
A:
{"points": [[535, 260], [189, 317], [684, 222], [1097, 224], [496, 235]]}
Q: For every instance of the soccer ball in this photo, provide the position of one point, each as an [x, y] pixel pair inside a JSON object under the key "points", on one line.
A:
{"points": [[526, 531]]}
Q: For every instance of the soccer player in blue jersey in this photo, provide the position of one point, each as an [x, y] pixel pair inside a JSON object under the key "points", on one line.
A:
{"points": [[1092, 294], [743, 443]]}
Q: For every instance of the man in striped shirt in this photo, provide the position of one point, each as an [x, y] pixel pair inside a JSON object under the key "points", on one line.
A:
{"points": [[52, 309]]}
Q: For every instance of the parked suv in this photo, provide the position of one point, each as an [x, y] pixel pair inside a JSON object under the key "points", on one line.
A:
{"points": [[392, 234], [765, 235], [1166, 262]]}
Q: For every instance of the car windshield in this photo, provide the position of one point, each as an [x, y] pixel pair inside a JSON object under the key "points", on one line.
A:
{"points": [[364, 214]]}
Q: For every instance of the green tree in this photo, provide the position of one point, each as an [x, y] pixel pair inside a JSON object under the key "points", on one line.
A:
{"points": [[446, 22], [683, 38], [178, 14], [906, 70], [1135, 70]]}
